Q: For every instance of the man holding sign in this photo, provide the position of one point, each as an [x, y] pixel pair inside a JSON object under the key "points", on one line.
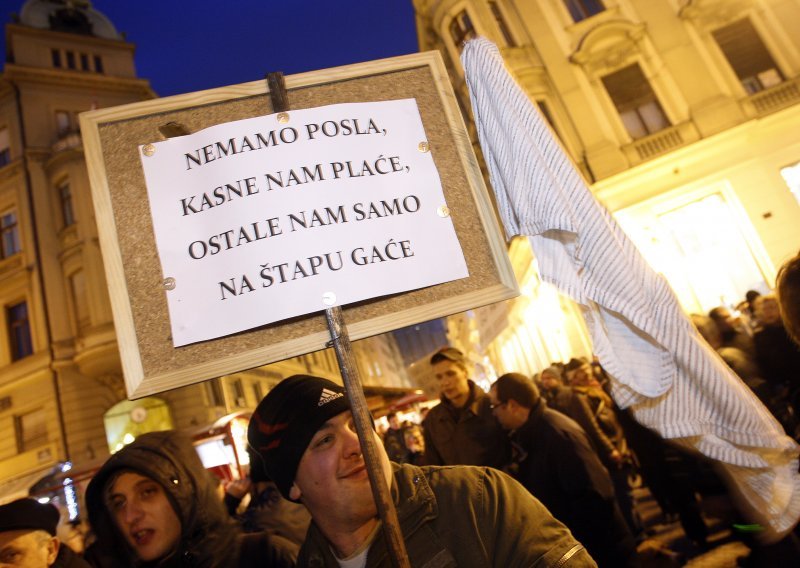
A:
{"points": [[466, 516]]}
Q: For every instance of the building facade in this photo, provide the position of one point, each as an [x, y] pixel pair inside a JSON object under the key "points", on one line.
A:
{"points": [[62, 396], [682, 115]]}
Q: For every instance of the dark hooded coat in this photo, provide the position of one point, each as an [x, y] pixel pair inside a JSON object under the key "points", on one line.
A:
{"points": [[209, 537]]}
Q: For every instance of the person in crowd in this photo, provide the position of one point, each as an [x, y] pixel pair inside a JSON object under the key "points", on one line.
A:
{"points": [[788, 289], [743, 364], [394, 440], [745, 308], [555, 392], [554, 460], [28, 537], [152, 504], [733, 331], [595, 411], [266, 510], [460, 430], [415, 442], [449, 516], [777, 355]]}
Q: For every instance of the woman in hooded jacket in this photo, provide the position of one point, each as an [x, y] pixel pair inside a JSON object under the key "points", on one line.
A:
{"points": [[152, 504]]}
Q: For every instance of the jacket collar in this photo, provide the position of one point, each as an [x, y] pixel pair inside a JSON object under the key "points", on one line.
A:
{"points": [[415, 504], [473, 400]]}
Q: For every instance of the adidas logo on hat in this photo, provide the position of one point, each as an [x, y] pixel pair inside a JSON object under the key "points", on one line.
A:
{"points": [[328, 395]]}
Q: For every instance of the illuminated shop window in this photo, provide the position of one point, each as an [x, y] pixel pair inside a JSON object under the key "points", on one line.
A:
{"points": [[130, 418], [700, 247], [791, 175]]}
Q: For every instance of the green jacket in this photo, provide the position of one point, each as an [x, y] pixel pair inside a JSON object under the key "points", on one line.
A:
{"points": [[465, 516]]}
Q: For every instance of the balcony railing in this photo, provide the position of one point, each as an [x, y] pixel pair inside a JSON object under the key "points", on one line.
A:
{"points": [[68, 141], [773, 99], [660, 142]]}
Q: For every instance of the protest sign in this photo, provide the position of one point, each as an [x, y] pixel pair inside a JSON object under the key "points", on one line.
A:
{"points": [[394, 224], [272, 217]]}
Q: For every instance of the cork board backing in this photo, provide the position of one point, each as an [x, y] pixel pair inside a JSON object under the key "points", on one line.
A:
{"points": [[111, 138]]}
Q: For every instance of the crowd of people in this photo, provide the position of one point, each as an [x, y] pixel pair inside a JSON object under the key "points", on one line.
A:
{"points": [[538, 471]]}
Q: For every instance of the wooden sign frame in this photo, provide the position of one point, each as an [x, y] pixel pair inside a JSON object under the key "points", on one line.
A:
{"points": [[111, 139]]}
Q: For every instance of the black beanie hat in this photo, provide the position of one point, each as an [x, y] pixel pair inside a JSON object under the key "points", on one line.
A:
{"points": [[28, 513], [287, 418]]}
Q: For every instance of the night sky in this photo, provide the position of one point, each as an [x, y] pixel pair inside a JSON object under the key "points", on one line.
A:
{"points": [[185, 46]]}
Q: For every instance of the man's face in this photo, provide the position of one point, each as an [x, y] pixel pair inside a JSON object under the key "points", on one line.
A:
{"points": [[453, 381], [725, 320], [144, 516], [394, 422], [768, 312], [331, 479], [27, 549], [582, 376], [550, 381], [501, 411]]}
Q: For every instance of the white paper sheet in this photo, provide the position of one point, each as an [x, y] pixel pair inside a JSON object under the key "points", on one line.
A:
{"points": [[259, 220]]}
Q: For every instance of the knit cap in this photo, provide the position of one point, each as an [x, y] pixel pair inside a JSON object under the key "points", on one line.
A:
{"points": [[287, 418]]}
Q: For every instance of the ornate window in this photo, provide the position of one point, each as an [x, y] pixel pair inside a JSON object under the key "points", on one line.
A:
{"points": [[582, 9], [31, 430], [9, 235], [19, 331], [461, 29], [65, 199], [501, 23], [5, 147], [214, 393], [748, 56], [635, 101], [238, 392], [77, 287]]}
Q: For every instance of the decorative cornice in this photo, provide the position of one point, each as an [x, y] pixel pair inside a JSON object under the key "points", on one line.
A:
{"points": [[714, 13], [78, 79], [608, 45]]}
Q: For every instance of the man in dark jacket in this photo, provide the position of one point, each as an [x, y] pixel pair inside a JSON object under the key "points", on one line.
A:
{"points": [[28, 537], [153, 504], [460, 429], [449, 516], [555, 461]]}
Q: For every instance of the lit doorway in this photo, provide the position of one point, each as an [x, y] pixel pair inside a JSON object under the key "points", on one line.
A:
{"points": [[703, 243]]}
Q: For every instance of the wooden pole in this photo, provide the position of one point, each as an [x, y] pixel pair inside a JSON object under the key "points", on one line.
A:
{"points": [[361, 417], [340, 340]]}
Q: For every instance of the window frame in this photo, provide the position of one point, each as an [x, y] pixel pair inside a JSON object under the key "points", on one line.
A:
{"points": [[579, 10], [9, 229], [635, 106], [5, 146], [39, 439], [66, 204], [755, 83], [19, 347]]}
